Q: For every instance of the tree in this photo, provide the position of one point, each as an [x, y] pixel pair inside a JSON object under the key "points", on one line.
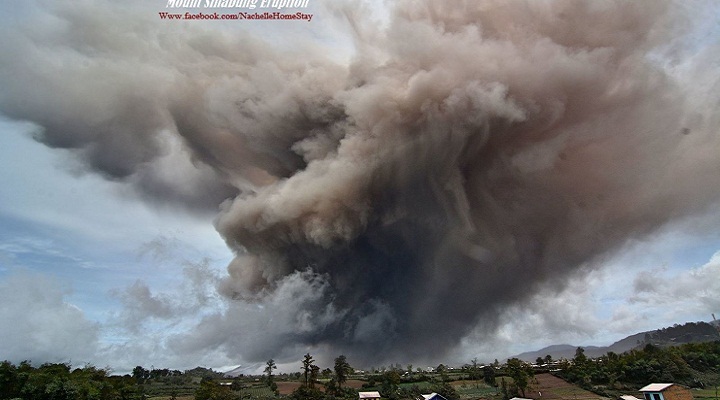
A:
{"points": [[269, 367], [306, 393], [580, 356], [140, 374], [445, 390], [342, 370], [504, 389], [489, 376], [314, 375], [389, 385], [307, 368], [474, 369], [9, 382], [56, 382], [442, 370], [521, 373], [210, 389]]}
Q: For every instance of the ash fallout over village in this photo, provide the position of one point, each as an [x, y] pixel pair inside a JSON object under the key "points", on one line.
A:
{"points": [[416, 181]]}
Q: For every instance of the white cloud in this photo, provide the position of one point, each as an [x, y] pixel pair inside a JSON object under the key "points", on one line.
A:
{"points": [[694, 291], [606, 305], [39, 324]]}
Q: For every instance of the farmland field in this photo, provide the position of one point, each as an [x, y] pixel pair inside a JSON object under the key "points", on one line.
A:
{"points": [[542, 387], [287, 387], [474, 389], [551, 387], [256, 392], [706, 394]]}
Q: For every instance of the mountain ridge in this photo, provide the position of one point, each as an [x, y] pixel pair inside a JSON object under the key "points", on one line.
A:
{"points": [[671, 336]]}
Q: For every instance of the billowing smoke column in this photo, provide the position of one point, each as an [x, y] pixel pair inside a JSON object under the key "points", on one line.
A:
{"points": [[470, 154]]}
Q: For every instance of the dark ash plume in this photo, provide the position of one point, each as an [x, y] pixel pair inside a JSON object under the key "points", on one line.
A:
{"points": [[470, 154]]}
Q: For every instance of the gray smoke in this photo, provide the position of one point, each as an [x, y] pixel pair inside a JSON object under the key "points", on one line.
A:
{"points": [[469, 155]]}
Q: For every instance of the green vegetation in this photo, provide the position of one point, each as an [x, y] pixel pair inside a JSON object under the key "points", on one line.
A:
{"points": [[696, 365], [269, 377], [60, 382]]}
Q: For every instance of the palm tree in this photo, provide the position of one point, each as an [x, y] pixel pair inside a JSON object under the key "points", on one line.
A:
{"points": [[342, 370]]}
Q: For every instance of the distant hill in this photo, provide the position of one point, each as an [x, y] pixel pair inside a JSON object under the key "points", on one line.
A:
{"points": [[679, 334]]}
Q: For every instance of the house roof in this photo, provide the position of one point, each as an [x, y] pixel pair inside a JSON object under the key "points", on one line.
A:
{"points": [[628, 397], [433, 395], [656, 387], [369, 395]]}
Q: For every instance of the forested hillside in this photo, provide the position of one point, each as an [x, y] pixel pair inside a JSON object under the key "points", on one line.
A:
{"points": [[696, 365]]}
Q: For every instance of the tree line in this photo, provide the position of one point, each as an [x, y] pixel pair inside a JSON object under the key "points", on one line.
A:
{"points": [[311, 387], [696, 365], [61, 382]]}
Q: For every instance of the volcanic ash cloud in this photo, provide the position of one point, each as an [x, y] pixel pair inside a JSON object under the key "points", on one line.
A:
{"points": [[472, 155], [469, 155]]}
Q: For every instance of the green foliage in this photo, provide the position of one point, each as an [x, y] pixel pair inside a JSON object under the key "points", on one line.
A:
{"points": [[689, 364], [201, 372], [342, 370], [521, 373], [59, 382], [489, 375], [389, 382], [212, 390], [307, 369], [474, 372], [269, 378], [504, 389], [306, 392], [446, 390]]}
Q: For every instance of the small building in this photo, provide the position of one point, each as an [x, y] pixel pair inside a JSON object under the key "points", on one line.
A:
{"points": [[432, 396], [369, 395], [666, 391], [628, 397]]}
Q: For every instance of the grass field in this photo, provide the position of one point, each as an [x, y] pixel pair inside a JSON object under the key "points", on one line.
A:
{"points": [[706, 394], [474, 389]]}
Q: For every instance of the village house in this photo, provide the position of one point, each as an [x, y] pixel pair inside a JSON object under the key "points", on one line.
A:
{"points": [[369, 395], [666, 391], [432, 396]]}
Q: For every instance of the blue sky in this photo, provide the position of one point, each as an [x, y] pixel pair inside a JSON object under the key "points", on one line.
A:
{"points": [[90, 271], [89, 238]]}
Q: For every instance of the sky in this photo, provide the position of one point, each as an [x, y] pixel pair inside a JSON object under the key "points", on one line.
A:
{"points": [[407, 182]]}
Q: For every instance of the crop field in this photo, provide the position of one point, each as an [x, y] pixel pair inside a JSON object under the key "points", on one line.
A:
{"points": [[542, 387], [421, 385], [474, 389], [256, 392], [549, 387]]}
